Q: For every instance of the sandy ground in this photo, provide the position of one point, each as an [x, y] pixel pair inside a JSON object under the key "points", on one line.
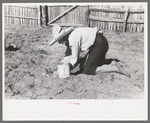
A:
{"points": [[30, 62]]}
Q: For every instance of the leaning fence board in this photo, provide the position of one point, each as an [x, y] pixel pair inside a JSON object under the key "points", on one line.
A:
{"points": [[62, 14]]}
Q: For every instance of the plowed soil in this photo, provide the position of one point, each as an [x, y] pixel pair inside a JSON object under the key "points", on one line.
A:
{"points": [[30, 62]]}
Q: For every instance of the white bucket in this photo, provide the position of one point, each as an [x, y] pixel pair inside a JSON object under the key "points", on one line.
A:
{"points": [[63, 70]]}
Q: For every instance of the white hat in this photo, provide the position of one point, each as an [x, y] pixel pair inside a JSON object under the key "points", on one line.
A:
{"points": [[58, 33]]}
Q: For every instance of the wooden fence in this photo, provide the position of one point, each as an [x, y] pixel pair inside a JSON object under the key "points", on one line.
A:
{"points": [[20, 15], [67, 15], [131, 20], [104, 17]]}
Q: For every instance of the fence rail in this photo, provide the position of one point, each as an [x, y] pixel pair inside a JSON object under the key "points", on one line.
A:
{"points": [[106, 19], [21, 17], [116, 10], [29, 7]]}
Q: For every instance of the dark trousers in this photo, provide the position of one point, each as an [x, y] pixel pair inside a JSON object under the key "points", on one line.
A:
{"points": [[94, 58]]}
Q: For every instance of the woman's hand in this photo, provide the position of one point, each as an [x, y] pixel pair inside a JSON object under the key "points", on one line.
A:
{"points": [[55, 73], [66, 59]]}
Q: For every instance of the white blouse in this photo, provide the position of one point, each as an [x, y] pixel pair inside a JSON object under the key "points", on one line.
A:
{"points": [[80, 40]]}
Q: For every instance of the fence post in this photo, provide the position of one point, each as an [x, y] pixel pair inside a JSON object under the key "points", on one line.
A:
{"points": [[44, 16], [87, 13], [39, 15], [125, 19]]}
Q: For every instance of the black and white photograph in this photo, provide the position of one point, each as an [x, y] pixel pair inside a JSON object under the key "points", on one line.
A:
{"points": [[74, 52]]}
